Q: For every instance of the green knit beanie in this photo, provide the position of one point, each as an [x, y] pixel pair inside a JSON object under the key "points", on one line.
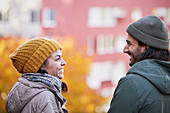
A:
{"points": [[150, 30]]}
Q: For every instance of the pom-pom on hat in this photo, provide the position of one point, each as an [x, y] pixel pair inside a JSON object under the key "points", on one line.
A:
{"points": [[150, 30], [29, 57]]}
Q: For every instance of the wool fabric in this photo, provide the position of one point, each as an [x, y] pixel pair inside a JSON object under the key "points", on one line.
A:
{"points": [[150, 30], [29, 56]]}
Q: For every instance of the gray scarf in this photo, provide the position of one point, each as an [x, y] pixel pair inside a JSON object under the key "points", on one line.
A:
{"points": [[49, 80]]}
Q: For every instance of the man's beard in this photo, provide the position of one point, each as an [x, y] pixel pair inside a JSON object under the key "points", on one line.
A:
{"points": [[135, 55]]}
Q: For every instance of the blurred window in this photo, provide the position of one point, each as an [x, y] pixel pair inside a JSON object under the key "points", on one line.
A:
{"points": [[4, 17], [163, 12], [105, 44], [100, 44], [105, 16], [167, 18], [0, 16], [120, 42], [90, 46], [48, 18], [7, 16], [101, 17], [109, 44], [34, 16], [136, 14]]}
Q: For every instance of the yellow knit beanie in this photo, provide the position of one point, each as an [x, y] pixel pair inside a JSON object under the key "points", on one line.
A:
{"points": [[29, 57]]}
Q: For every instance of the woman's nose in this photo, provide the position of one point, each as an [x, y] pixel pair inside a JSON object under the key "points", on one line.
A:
{"points": [[63, 63]]}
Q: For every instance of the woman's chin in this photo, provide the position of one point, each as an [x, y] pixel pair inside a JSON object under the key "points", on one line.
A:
{"points": [[60, 76]]}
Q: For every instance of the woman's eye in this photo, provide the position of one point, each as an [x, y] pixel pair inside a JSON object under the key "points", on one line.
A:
{"points": [[57, 58]]}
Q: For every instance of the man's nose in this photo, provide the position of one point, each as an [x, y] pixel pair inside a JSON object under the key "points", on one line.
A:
{"points": [[126, 49]]}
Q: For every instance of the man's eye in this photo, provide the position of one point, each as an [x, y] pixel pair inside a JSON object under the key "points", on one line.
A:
{"points": [[128, 43]]}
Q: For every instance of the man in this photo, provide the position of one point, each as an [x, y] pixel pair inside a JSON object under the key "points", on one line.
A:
{"points": [[146, 87]]}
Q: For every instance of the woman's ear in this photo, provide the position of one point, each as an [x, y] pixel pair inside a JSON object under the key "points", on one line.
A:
{"points": [[42, 67]]}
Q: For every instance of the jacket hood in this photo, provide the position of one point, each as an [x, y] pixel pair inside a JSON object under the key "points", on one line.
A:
{"points": [[155, 71], [22, 92]]}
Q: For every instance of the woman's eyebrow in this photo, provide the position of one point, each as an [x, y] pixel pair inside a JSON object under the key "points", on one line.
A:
{"points": [[59, 55]]}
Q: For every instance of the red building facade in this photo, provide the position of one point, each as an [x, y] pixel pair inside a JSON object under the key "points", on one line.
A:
{"points": [[100, 26]]}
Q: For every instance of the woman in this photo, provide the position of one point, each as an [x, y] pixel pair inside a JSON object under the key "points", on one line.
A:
{"points": [[38, 90]]}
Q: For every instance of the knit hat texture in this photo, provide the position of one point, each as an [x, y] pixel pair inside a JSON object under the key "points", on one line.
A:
{"points": [[29, 57], [150, 30]]}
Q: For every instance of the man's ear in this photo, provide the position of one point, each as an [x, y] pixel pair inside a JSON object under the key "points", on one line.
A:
{"points": [[144, 47]]}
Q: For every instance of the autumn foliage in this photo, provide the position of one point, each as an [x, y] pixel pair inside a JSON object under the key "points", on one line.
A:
{"points": [[80, 98], [8, 75]]}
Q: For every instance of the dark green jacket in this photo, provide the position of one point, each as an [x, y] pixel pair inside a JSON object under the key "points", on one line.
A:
{"points": [[145, 89]]}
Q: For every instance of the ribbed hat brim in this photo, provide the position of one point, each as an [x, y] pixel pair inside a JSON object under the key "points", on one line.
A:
{"points": [[147, 39]]}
